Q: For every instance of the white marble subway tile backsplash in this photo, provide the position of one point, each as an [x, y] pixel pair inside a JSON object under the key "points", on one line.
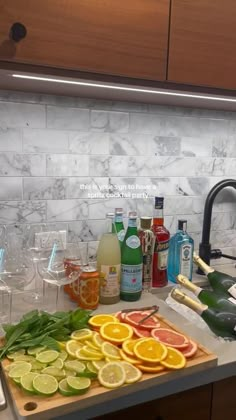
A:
{"points": [[66, 161]]}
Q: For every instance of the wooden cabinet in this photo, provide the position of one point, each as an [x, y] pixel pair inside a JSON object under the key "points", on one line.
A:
{"points": [[202, 49], [224, 402], [125, 37], [193, 404]]}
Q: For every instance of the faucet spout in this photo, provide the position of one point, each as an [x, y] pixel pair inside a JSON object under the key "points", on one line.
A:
{"points": [[205, 246]]}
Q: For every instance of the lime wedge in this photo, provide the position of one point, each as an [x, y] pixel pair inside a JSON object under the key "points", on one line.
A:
{"points": [[58, 363], [12, 356], [20, 369], [75, 365], [26, 381], [45, 384], [35, 350], [55, 372], [64, 389], [80, 385], [47, 356]]}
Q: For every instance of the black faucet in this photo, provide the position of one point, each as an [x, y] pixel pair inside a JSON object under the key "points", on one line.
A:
{"points": [[205, 251]]}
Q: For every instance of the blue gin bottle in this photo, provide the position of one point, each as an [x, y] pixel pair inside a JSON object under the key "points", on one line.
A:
{"points": [[180, 257]]}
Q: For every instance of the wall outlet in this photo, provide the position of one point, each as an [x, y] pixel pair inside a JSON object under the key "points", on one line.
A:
{"points": [[45, 240]]}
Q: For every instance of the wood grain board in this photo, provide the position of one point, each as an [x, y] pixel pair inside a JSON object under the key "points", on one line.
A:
{"points": [[34, 407]]}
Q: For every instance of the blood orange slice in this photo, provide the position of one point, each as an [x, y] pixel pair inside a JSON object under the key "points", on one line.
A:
{"points": [[190, 350], [170, 338], [141, 332], [133, 318]]}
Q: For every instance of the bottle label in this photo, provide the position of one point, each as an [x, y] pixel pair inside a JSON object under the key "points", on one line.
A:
{"points": [[186, 251], [132, 223], [121, 235], [161, 248], [133, 241], [232, 300], [131, 278], [110, 280], [232, 290]]}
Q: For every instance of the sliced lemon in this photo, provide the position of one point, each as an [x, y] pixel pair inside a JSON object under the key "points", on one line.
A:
{"points": [[110, 351], [88, 351], [97, 339], [26, 381], [62, 345], [47, 356], [108, 360], [100, 319], [129, 359], [20, 369], [58, 363], [112, 375], [79, 385], [75, 366], [90, 344], [45, 384], [72, 346], [81, 356], [82, 334], [55, 372], [35, 350], [98, 364], [174, 359], [133, 374]]}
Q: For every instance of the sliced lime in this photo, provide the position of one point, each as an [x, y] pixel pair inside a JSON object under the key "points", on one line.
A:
{"points": [[11, 365], [55, 372], [26, 381], [47, 356], [63, 355], [64, 389], [87, 374], [12, 356], [20, 369], [36, 365], [70, 372], [35, 350], [75, 365], [58, 363], [17, 381], [24, 358], [91, 368], [80, 385], [45, 384]]}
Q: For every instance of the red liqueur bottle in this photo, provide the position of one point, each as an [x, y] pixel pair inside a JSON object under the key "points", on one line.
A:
{"points": [[162, 237]]}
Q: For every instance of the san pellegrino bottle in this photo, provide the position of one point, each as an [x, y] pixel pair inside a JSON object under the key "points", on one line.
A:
{"points": [[147, 240], [109, 264], [222, 323], [220, 282], [210, 298], [131, 262], [118, 225], [180, 256]]}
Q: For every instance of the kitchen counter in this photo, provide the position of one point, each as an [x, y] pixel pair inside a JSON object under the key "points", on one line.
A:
{"points": [[181, 381]]}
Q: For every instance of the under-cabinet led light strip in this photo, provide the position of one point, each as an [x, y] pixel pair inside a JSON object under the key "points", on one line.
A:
{"points": [[125, 88]]}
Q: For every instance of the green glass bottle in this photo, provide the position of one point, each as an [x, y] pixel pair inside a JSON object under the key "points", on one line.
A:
{"points": [[119, 225], [222, 324], [220, 282], [131, 262], [214, 300]]}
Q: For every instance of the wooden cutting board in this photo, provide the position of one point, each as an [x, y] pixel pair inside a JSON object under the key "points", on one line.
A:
{"points": [[36, 407]]}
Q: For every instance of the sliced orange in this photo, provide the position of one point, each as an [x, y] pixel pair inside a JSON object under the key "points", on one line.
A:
{"points": [[128, 346], [150, 350], [97, 321], [174, 359], [116, 332], [129, 359], [89, 293], [151, 369]]}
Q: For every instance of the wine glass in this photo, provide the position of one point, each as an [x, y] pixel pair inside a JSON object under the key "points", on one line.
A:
{"points": [[63, 266]]}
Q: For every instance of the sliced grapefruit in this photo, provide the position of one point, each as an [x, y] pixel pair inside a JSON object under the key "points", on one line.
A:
{"points": [[170, 337], [141, 332], [134, 318], [190, 350]]}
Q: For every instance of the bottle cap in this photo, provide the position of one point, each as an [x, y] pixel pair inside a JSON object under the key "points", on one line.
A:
{"points": [[133, 215], [118, 210], [145, 222], [182, 224], [159, 202]]}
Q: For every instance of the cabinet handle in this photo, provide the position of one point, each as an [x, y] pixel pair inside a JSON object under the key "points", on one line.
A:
{"points": [[18, 31]]}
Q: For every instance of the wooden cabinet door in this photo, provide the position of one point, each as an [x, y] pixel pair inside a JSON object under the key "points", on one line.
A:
{"points": [[194, 404], [223, 401], [202, 48], [117, 37]]}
